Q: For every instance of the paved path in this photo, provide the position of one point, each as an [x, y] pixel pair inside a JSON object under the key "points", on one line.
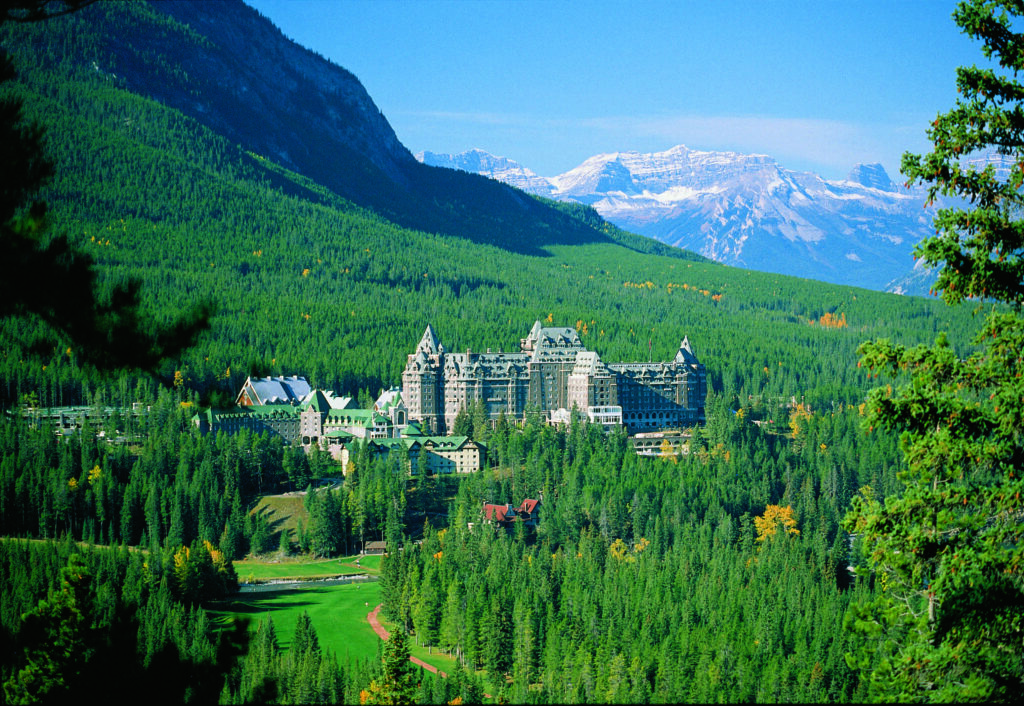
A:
{"points": [[383, 635]]}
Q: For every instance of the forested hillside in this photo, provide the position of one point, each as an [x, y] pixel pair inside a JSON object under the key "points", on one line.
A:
{"points": [[647, 579], [307, 282]]}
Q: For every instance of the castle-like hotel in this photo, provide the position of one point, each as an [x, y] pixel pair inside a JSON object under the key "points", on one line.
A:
{"points": [[553, 373]]}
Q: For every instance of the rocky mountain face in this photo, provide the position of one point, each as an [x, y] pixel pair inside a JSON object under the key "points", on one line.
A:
{"points": [[230, 69], [744, 210], [237, 73], [499, 168]]}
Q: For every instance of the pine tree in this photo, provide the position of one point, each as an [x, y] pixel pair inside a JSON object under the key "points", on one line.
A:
{"points": [[304, 661], [480, 422], [947, 552], [463, 424], [398, 681], [261, 667], [54, 634], [392, 577]]}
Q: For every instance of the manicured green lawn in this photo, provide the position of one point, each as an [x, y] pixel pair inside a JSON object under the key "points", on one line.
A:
{"points": [[304, 568], [338, 614]]}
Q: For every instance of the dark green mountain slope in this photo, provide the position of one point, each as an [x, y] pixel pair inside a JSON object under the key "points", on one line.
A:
{"points": [[309, 270], [234, 72]]}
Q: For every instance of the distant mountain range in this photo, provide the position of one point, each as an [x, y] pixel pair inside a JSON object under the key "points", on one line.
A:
{"points": [[743, 210]]}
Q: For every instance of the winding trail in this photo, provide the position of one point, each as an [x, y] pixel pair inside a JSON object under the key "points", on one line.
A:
{"points": [[383, 635]]}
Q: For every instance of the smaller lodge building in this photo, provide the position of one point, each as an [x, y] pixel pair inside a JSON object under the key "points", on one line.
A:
{"points": [[506, 516], [290, 408]]}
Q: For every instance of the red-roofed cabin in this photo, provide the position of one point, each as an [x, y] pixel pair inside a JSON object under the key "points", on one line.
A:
{"points": [[528, 511], [505, 515], [502, 514]]}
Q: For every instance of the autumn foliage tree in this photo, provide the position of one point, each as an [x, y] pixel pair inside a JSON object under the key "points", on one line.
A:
{"points": [[775, 518], [948, 622], [202, 572]]}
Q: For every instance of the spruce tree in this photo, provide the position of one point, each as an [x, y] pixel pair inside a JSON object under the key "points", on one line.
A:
{"points": [[398, 681], [948, 619], [392, 577]]}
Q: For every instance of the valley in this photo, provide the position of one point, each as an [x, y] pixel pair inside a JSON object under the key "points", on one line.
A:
{"points": [[267, 190]]}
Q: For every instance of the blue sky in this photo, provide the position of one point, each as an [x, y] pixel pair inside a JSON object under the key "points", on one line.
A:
{"points": [[819, 86]]}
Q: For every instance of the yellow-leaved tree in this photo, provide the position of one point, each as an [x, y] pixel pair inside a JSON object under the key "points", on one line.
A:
{"points": [[774, 517]]}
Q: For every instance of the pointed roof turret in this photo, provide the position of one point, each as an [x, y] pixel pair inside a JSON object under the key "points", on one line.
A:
{"points": [[529, 343], [685, 353], [428, 343]]}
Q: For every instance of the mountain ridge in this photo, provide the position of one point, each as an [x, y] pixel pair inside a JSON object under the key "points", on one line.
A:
{"points": [[742, 209], [287, 104]]}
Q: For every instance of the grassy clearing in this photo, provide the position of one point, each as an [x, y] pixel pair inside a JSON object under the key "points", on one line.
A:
{"points": [[302, 567], [284, 513], [338, 614]]}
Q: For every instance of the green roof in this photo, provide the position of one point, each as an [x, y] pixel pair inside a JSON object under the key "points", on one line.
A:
{"points": [[317, 401], [339, 434], [446, 442], [393, 443]]}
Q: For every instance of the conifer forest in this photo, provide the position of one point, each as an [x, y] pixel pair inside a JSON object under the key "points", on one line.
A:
{"points": [[846, 527]]}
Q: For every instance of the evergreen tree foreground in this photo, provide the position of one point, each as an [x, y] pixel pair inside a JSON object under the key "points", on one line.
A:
{"points": [[948, 621]]}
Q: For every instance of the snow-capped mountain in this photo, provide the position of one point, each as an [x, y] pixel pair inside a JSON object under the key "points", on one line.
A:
{"points": [[500, 168], [741, 209]]}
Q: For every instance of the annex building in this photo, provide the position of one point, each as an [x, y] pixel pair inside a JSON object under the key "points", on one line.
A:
{"points": [[290, 408], [553, 373]]}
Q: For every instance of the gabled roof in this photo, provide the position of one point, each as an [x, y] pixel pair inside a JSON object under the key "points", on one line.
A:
{"points": [[506, 513], [275, 390], [534, 332], [318, 401], [390, 398], [529, 505], [340, 402], [553, 337], [589, 363], [332, 400], [449, 443], [499, 513], [560, 336]]}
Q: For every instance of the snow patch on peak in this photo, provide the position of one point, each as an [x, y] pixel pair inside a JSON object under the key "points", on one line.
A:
{"points": [[743, 209]]}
